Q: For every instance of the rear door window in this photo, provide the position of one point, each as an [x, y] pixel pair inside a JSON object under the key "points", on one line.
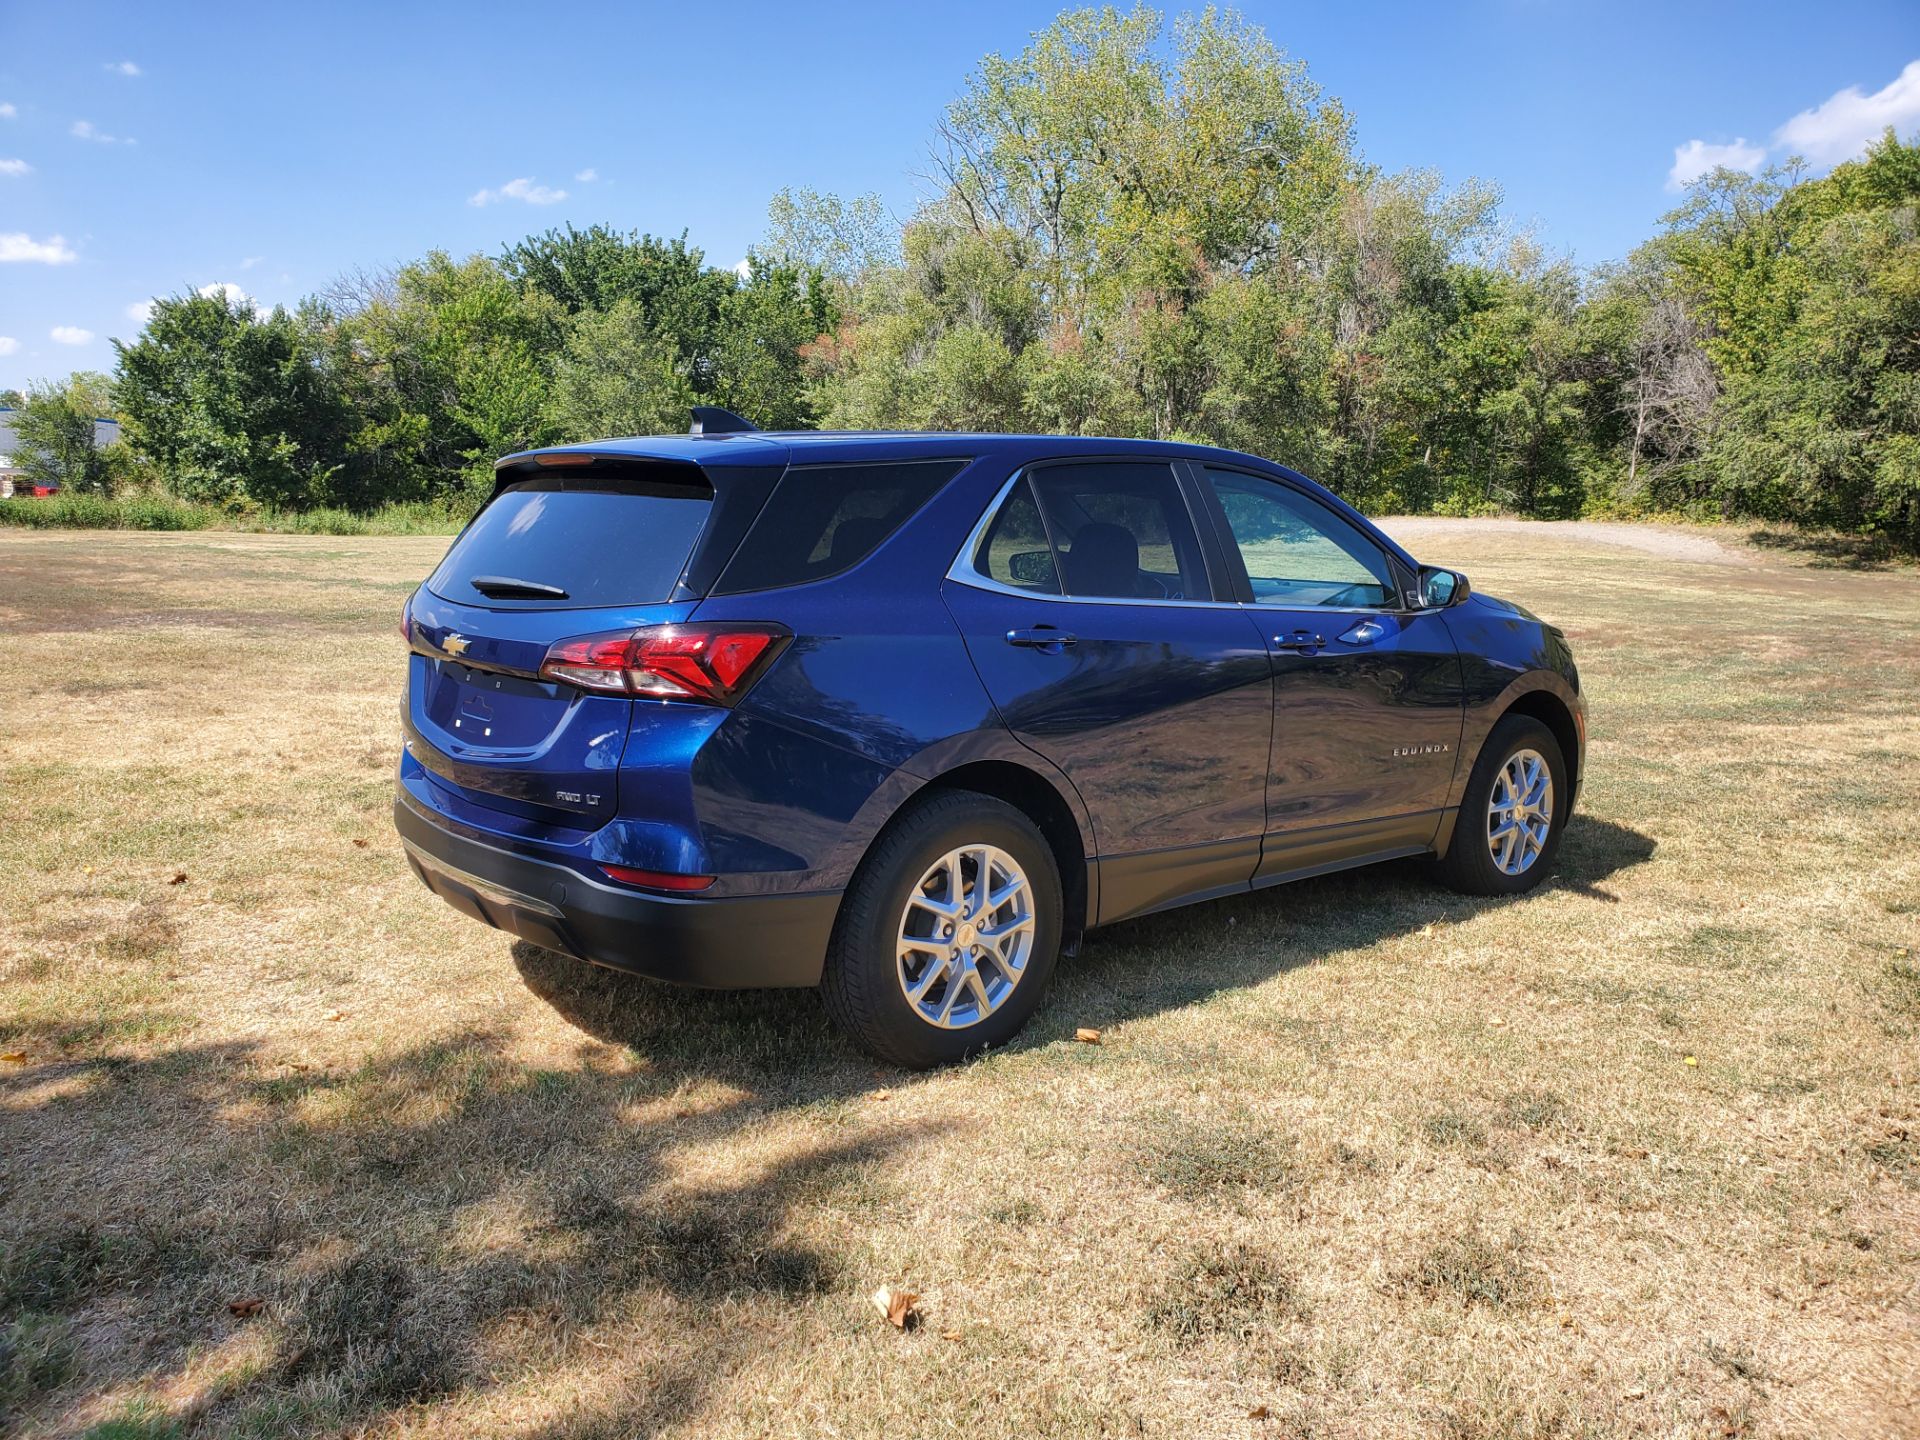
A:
{"points": [[823, 520], [578, 541], [1121, 531]]}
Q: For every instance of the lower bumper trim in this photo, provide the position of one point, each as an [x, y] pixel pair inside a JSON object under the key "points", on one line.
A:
{"points": [[723, 943]]}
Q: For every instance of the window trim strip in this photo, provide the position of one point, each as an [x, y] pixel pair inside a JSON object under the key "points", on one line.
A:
{"points": [[963, 571]]}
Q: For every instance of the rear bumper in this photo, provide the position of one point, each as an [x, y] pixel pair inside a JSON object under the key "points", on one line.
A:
{"points": [[725, 943]]}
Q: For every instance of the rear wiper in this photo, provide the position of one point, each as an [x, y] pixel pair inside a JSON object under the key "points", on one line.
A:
{"points": [[505, 587]]}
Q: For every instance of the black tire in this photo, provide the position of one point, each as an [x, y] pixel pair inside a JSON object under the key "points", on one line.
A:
{"points": [[1468, 865], [861, 984]]}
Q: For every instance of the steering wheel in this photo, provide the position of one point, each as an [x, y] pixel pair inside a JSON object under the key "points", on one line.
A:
{"points": [[1159, 592], [1355, 594]]}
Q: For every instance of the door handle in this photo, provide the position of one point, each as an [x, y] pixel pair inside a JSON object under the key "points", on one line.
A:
{"points": [[1303, 641], [1042, 637]]}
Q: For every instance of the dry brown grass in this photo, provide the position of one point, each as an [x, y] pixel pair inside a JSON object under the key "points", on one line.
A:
{"points": [[1355, 1158]]}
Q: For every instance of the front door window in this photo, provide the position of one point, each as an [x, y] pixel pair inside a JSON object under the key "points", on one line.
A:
{"points": [[1297, 552]]}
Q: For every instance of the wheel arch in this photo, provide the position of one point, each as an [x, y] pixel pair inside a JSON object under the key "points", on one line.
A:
{"points": [[1036, 797], [1557, 715]]}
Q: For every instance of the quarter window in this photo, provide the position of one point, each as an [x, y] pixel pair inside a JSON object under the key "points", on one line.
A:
{"points": [[825, 519], [1298, 553], [1014, 550]]}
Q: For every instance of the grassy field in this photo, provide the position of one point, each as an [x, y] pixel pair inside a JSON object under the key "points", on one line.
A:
{"points": [[287, 1147]]}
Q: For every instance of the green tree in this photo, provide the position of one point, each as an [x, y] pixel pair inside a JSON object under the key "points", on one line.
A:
{"points": [[230, 406], [1809, 295], [842, 240], [616, 376], [59, 436], [448, 367]]}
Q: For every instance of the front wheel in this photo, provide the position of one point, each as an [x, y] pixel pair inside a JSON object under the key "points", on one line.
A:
{"points": [[1512, 814], [948, 934]]}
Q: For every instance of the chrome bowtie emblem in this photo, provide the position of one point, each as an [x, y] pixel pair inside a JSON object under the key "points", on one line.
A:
{"points": [[455, 644]]}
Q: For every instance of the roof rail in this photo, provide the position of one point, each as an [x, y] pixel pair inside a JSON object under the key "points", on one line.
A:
{"points": [[712, 420]]}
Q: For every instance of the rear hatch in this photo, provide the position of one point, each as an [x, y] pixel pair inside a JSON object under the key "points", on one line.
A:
{"points": [[569, 545]]}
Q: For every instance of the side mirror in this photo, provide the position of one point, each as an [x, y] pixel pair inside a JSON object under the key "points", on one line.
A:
{"points": [[1441, 588], [1032, 567]]}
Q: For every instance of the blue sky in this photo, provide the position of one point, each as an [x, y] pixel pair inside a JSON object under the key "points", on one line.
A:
{"points": [[152, 148]]}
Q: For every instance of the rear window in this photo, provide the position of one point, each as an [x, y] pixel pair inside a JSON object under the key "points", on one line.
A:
{"points": [[824, 519], [596, 539]]}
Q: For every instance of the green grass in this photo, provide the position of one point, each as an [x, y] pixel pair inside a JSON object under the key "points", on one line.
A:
{"points": [[155, 511]]}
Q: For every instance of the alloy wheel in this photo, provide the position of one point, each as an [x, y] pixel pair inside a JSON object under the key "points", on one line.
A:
{"points": [[966, 935], [1520, 811]]}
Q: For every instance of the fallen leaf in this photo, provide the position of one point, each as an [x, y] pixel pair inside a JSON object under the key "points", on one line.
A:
{"points": [[1087, 1036], [179, 878], [1497, 1020], [15, 1057], [86, 869], [338, 1015], [881, 1095], [1259, 1412], [949, 1334], [1637, 1393], [360, 842], [246, 1308], [1692, 1061], [896, 1305]]}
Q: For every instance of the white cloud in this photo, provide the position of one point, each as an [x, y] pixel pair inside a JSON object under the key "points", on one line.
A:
{"points": [[1838, 129], [587, 176], [141, 311], [251, 261], [523, 190], [744, 269], [1845, 123], [235, 296], [1697, 158], [70, 335], [123, 67], [22, 248], [7, 112], [8, 344], [15, 168], [86, 130]]}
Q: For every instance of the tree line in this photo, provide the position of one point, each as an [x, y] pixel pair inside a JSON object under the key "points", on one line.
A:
{"points": [[1136, 227]]}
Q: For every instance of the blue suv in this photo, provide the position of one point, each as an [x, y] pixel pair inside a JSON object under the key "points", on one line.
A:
{"points": [[902, 716]]}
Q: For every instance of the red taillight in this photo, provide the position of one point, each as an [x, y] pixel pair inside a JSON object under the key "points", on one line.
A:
{"points": [[406, 621], [657, 879], [713, 664]]}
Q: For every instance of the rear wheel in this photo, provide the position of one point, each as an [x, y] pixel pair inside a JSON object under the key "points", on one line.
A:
{"points": [[948, 934], [1512, 813]]}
